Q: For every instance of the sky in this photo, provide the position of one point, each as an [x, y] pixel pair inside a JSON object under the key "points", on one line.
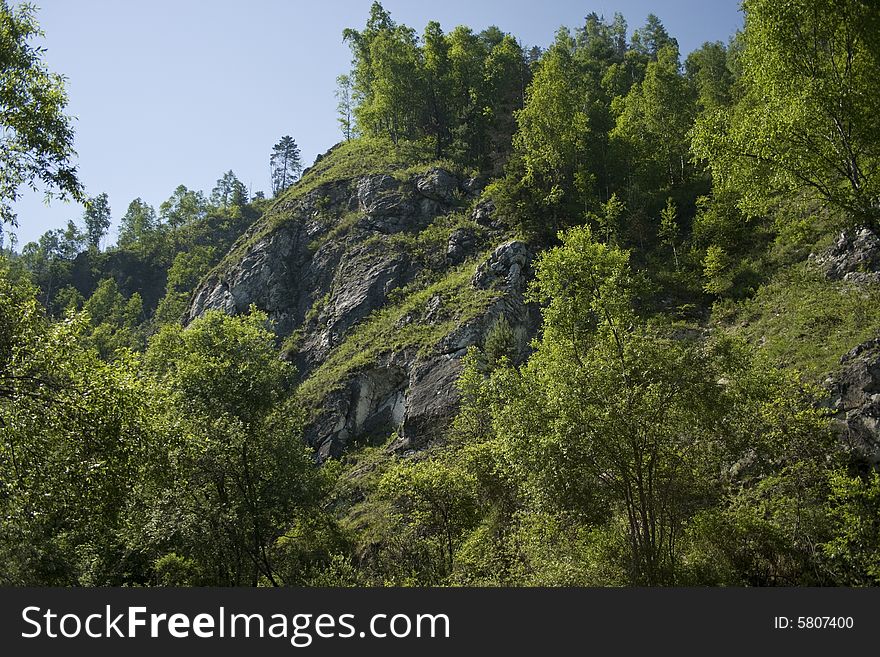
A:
{"points": [[172, 92]]}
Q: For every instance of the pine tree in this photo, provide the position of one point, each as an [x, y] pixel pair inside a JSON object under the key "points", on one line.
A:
{"points": [[285, 164]]}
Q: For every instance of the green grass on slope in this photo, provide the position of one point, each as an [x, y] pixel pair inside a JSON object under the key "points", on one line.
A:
{"points": [[804, 321], [368, 155]]}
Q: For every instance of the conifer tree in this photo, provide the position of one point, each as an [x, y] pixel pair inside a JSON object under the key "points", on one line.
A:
{"points": [[285, 164]]}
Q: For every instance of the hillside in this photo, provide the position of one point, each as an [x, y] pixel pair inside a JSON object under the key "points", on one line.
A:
{"points": [[378, 283], [602, 314]]}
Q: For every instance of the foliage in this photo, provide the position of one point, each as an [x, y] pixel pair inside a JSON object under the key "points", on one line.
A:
{"points": [[653, 123], [137, 224], [803, 119], [855, 508], [115, 320], [233, 474], [229, 193], [459, 90], [433, 505], [623, 430], [72, 432], [97, 219], [806, 322], [344, 106], [601, 120], [644, 437], [37, 141]]}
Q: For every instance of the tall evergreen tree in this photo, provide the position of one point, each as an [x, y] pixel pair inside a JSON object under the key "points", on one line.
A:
{"points": [[285, 164], [437, 79]]}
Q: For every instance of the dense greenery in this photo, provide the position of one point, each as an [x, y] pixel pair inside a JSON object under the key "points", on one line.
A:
{"points": [[667, 428], [459, 90]]}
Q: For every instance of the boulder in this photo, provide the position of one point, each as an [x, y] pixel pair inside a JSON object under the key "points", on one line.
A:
{"points": [[504, 266], [483, 212]]}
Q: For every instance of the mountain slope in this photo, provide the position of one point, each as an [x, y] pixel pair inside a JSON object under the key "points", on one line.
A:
{"points": [[378, 282]]}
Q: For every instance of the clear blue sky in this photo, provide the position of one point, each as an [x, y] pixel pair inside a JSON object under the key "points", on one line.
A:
{"points": [[171, 92]]}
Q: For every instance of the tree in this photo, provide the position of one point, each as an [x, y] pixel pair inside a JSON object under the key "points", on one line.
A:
{"points": [[37, 137], [71, 432], [114, 319], [550, 181], [623, 426], [503, 90], [237, 474], [438, 82], [854, 507], [229, 192], [285, 164], [652, 37], [185, 272], [50, 259], [804, 118], [608, 220], [387, 77], [708, 70], [97, 219], [467, 56], [433, 505], [73, 241], [669, 231], [183, 207], [344, 106], [653, 126], [137, 224]]}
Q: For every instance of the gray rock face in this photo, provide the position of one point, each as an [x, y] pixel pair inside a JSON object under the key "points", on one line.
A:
{"points": [[332, 262], [416, 395], [370, 403], [506, 262], [853, 257], [855, 400]]}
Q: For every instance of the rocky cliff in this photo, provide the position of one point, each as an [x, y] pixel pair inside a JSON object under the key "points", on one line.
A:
{"points": [[378, 284], [854, 387]]}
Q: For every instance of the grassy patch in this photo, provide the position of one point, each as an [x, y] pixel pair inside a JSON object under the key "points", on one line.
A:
{"points": [[364, 156], [804, 321]]}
